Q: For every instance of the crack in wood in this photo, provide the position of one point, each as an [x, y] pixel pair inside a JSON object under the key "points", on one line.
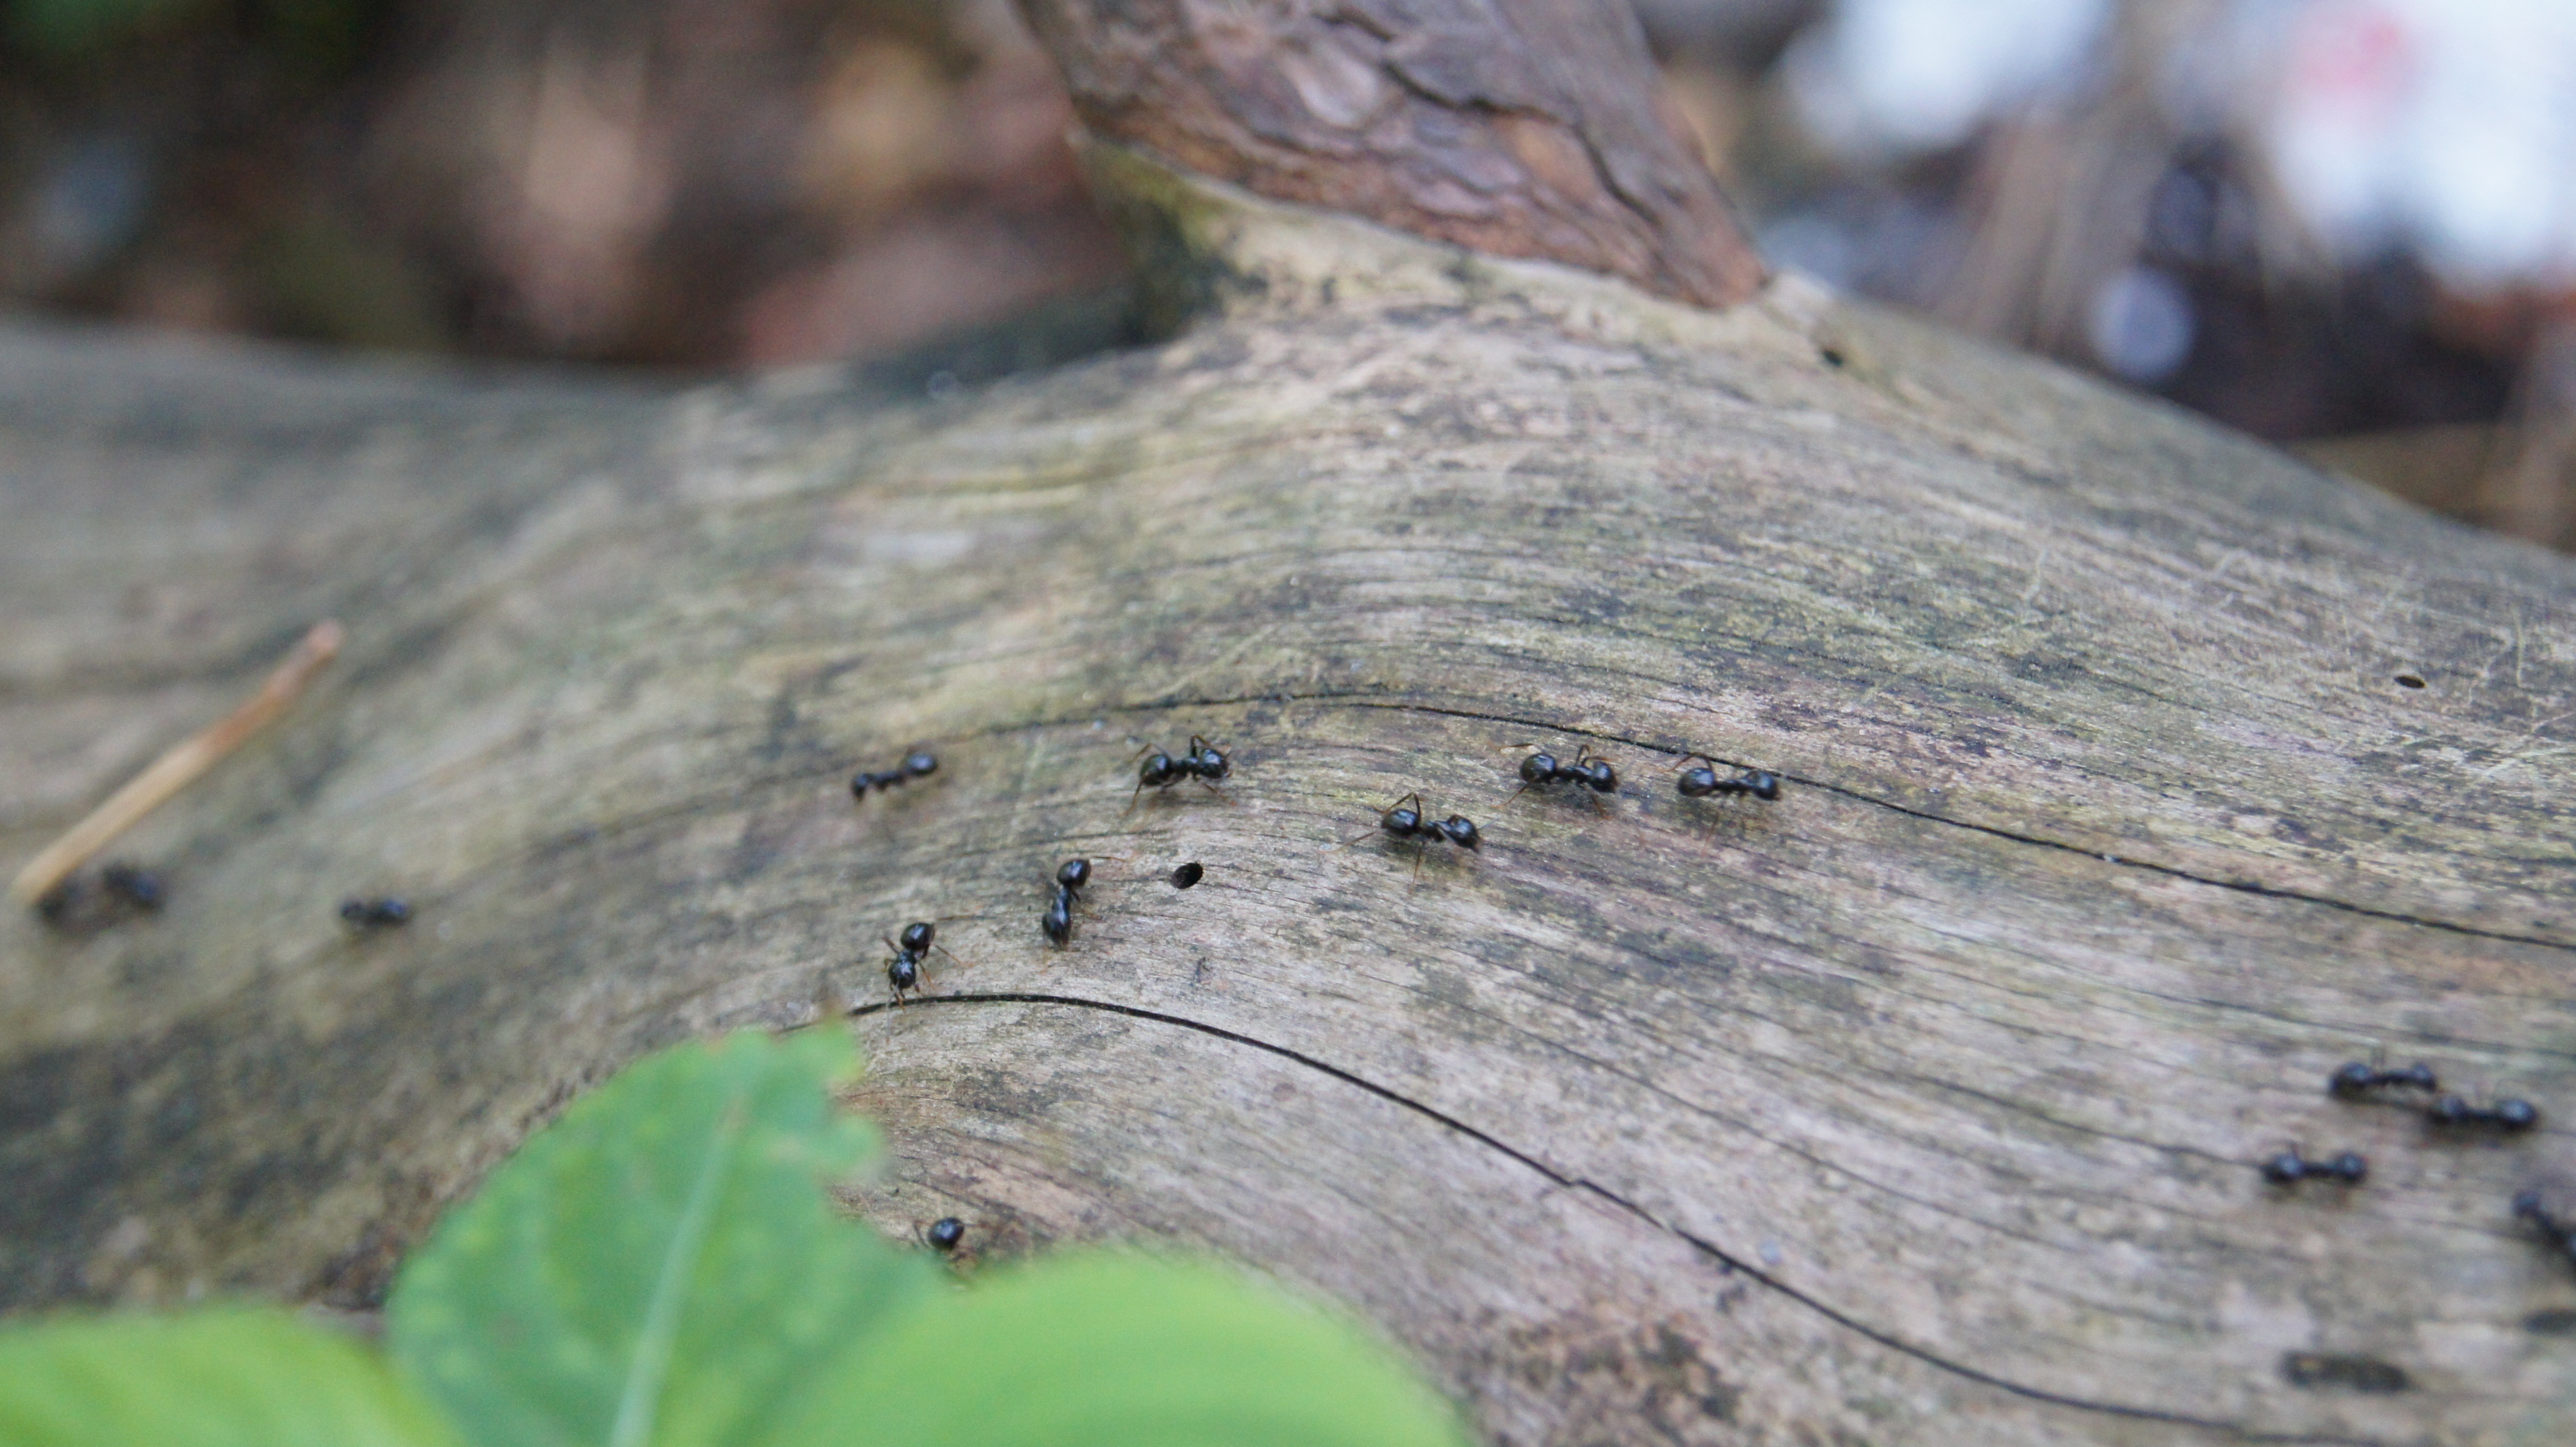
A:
{"points": [[1729, 1261]]}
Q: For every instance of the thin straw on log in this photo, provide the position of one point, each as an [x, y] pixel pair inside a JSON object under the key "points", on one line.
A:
{"points": [[178, 768]]}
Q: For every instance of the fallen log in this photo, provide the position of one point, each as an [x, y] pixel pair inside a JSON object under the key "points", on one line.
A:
{"points": [[2134, 777]]}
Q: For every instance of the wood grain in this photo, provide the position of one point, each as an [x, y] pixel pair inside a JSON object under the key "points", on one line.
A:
{"points": [[1922, 1105]]}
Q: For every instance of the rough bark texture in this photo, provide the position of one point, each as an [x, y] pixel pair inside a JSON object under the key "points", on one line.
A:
{"points": [[1524, 128], [1921, 1106]]}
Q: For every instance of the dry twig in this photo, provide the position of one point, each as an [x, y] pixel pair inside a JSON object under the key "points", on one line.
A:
{"points": [[178, 768]]}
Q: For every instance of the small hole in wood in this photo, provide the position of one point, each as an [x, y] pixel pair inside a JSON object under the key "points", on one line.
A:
{"points": [[1832, 358], [1187, 875], [2408, 680]]}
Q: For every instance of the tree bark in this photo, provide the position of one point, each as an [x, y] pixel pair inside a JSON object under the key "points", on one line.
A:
{"points": [[1921, 1105], [1527, 128]]}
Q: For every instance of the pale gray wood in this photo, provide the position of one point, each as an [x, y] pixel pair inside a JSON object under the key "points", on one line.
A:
{"points": [[1921, 1106]]}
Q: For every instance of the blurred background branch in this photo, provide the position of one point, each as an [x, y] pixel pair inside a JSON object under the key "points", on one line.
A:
{"points": [[2343, 225]]}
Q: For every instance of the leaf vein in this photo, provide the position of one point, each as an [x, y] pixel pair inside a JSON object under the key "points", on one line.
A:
{"points": [[650, 1366]]}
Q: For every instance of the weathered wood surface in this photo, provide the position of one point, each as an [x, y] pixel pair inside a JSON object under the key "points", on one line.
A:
{"points": [[1921, 1106]]}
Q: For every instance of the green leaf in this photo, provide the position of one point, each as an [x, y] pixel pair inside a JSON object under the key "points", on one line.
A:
{"points": [[660, 1266], [232, 1377], [1120, 1351]]}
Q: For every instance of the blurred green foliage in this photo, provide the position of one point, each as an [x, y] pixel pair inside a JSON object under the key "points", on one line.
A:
{"points": [[661, 1265], [664, 1267], [231, 1377]]}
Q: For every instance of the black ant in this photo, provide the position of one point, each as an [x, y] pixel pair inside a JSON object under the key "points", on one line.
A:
{"points": [[917, 765], [2352, 1080], [1401, 822], [122, 888], [375, 913], [1588, 770], [1204, 762], [2288, 1168], [1703, 781], [945, 1234], [2505, 1115], [1404, 823], [1070, 877], [906, 972], [1188, 874]]}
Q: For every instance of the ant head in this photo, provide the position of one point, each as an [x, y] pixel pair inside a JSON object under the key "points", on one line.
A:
{"points": [[1538, 768], [903, 972], [2351, 1078]]}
